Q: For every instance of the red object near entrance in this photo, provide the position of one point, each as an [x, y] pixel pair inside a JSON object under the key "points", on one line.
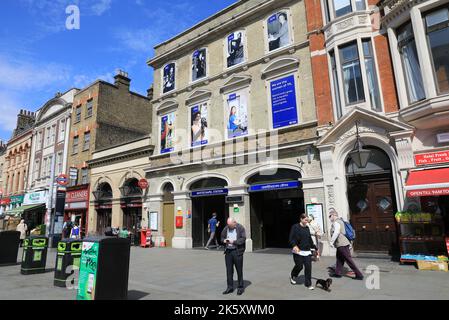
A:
{"points": [[447, 245], [179, 222], [146, 240]]}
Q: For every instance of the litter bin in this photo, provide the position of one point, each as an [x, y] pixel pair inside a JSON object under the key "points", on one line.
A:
{"points": [[104, 269], [68, 254], [9, 247], [34, 256]]}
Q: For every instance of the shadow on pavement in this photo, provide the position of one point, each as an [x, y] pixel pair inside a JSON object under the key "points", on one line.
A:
{"points": [[136, 295]]}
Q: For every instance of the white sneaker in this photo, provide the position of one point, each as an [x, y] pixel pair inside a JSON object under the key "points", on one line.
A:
{"points": [[311, 288], [292, 281]]}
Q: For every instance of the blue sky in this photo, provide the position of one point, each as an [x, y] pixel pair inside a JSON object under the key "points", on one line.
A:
{"points": [[39, 56]]}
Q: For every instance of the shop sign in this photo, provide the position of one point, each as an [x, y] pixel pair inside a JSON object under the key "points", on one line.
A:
{"points": [[283, 102], [275, 186], [428, 192], [131, 205], [88, 271], [17, 199], [432, 158], [103, 206], [209, 193], [5, 201], [77, 195], [35, 198]]}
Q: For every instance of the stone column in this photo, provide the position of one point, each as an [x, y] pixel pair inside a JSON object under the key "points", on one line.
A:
{"points": [[92, 217], [183, 236], [154, 204], [117, 214], [242, 212]]}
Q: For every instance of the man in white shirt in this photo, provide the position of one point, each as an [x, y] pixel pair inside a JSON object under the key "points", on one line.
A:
{"points": [[342, 244]]}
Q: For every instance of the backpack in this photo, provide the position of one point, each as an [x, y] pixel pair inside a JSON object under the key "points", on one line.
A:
{"points": [[349, 231]]}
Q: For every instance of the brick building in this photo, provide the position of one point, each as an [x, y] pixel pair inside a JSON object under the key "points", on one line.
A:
{"points": [[103, 115]]}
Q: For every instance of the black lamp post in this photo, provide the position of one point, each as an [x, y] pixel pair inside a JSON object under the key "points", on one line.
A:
{"points": [[359, 155]]}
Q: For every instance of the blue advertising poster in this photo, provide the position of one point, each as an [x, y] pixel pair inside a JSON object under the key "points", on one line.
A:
{"points": [[199, 126], [283, 102], [167, 133], [275, 186], [237, 115]]}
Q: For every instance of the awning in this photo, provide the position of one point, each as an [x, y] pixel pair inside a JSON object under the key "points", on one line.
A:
{"points": [[18, 211], [434, 182]]}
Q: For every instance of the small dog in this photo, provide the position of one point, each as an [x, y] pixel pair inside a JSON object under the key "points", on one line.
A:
{"points": [[325, 284]]}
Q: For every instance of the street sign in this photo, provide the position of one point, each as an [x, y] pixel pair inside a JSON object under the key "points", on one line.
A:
{"points": [[62, 180], [143, 184]]}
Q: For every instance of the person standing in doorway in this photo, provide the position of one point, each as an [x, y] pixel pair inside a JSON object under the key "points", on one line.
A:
{"points": [[212, 226], [302, 244], [22, 228], [234, 238], [343, 246]]}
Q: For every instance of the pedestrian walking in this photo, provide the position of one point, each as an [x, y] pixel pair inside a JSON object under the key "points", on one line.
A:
{"points": [[302, 244], [212, 226], [316, 233], [22, 228], [234, 238], [343, 246], [75, 233], [67, 229]]}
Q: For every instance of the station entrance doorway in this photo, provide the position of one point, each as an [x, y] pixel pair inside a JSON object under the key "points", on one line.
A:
{"points": [[277, 201], [208, 197]]}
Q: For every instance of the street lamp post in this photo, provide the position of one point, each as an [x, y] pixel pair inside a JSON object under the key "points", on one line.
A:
{"points": [[359, 155]]}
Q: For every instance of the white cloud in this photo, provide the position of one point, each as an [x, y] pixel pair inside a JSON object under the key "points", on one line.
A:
{"points": [[9, 108], [101, 7]]}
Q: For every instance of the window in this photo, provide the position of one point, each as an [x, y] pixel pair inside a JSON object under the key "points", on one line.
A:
{"points": [[199, 66], [49, 164], [78, 114], [39, 140], [352, 75], [336, 84], [342, 7], [62, 130], [410, 64], [86, 145], [59, 163], [278, 31], [84, 176], [371, 75], [235, 48], [36, 170], [44, 168], [169, 78], [47, 137], [437, 24], [89, 108], [53, 135], [75, 145]]}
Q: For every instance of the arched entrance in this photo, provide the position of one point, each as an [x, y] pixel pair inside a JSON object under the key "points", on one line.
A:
{"points": [[372, 203], [103, 206], [208, 196], [168, 209], [131, 204], [276, 203]]}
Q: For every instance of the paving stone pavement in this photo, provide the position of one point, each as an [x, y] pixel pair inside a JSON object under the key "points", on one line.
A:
{"points": [[170, 274]]}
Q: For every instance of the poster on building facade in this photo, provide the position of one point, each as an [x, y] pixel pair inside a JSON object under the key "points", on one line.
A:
{"points": [[169, 75], [235, 48], [283, 102], [167, 132], [278, 31], [199, 125], [199, 64], [237, 114]]}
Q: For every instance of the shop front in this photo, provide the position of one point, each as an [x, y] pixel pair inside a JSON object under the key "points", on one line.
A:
{"points": [[34, 208], [425, 225], [77, 206], [103, 207], [4, 204], [131, 205]]}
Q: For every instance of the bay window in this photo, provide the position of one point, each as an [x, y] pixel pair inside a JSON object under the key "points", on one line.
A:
{"points": [[343, 7], [352, 74], [371, 75], [410, 63], [437, 27]]}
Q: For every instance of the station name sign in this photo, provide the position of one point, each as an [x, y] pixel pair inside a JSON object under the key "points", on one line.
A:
{"points": [[209, 193], [274, 186]]}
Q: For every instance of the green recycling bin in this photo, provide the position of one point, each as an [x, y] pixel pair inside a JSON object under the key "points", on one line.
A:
{"points": [[34, 258], [68, 255]]}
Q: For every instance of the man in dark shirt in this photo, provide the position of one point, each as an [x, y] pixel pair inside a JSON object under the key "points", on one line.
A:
{"points": [[213, 223], [301, 242], [234, 238]]}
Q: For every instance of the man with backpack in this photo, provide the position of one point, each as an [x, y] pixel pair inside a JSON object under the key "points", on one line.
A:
{"points": [[341, 236]]}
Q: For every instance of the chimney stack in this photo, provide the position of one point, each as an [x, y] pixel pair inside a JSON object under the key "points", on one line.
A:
{"points": [[121, 80], [150, 92], [25, 121]]}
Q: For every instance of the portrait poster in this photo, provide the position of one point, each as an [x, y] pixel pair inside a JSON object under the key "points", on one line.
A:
{"points": [[237, 114], [199, 124], [169, 77], [199, 64], [278, 31], [167, 132], [235, 48], [283, 102]]}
